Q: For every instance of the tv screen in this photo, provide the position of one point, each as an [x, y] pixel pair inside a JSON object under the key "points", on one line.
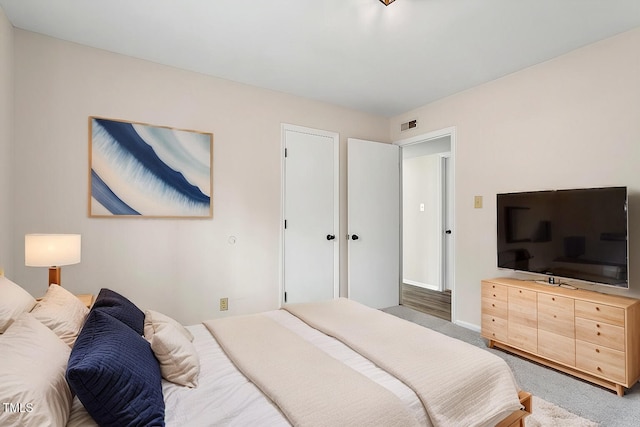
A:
{"points": [[575, 234]]}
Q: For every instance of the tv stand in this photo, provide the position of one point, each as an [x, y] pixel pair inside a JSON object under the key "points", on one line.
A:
{"points": [[593, 336]]}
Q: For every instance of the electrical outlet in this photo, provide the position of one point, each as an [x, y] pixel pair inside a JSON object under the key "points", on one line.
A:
{"points": [[477, 202], [224, 304]]}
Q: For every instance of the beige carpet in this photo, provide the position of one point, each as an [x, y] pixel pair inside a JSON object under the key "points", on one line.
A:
{"points": [[547, 414]]}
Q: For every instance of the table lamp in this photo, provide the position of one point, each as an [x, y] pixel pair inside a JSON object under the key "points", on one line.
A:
{"points": [[53, 251]]}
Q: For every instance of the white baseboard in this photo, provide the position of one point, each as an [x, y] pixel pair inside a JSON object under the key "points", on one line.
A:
{"points": [[467, 325], [421, 285]]}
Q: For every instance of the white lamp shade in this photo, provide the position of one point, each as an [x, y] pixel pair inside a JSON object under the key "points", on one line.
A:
{"points": [[51, 250]]}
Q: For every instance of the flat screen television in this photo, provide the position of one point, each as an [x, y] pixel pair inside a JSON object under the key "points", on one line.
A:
{"points": [[576, 234]]}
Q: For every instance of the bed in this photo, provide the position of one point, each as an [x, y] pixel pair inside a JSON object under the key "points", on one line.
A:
{"points": [[329, 363]]}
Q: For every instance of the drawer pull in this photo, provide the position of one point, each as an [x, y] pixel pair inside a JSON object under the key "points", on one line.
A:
{"points": [[597, 308], [493, 305], [599, 369], [554, 316], [553, 299], [493, 320], [597, 325], [520, 291], [597, 350], [494, 295], [598, 334]]}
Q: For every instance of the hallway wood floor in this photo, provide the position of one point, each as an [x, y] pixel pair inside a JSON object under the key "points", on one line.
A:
{"points": [[427, 301]]}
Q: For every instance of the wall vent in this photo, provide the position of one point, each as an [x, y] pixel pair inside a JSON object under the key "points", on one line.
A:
{"points": [[408, 125]]}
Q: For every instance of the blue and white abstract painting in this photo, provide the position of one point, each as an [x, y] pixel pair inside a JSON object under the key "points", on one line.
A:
{"points": [[149, 171]]}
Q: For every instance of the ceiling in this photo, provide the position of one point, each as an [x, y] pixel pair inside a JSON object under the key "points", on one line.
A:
{"points": [[359, 54]]}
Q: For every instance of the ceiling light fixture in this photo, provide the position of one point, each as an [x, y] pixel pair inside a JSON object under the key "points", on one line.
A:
{"points": [[387, 2]]}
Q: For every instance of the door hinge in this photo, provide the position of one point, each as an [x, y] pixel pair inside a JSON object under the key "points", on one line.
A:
{"points": [[285, 297], [285, 224], [286, 152]]}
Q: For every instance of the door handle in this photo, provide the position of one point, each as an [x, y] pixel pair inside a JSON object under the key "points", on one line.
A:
{"points": [[447, 232], [354, 237], [330, 236]]}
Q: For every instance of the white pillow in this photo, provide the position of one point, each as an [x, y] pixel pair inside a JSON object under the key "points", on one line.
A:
{"points": [[33, 388], [13, 301], [172, 346], [62, 312], [154, 320]]}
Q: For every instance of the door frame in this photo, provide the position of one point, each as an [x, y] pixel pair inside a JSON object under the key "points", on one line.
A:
{"points": [[284, 127], [447, 216], [426, 137]]}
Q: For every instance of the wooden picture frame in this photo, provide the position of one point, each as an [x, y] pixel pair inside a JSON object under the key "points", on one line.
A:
{"points": [[138, 170]]}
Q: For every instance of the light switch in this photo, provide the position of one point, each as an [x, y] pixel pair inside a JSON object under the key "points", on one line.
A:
{"points": [[477, 202], [421, 207]]}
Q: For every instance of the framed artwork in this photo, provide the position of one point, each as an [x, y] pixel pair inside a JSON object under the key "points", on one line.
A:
{"points": [[138, 170]]}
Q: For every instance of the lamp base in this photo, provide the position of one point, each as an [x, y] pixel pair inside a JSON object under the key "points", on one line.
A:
{"points": [[54, 275]]}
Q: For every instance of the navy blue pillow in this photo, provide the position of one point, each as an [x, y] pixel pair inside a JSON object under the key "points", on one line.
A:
{"points": [[115, 374], [121, 308]]}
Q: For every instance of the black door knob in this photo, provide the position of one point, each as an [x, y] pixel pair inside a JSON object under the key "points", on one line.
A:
{"points": [[354, 237], [330, 237], [447, 232]]}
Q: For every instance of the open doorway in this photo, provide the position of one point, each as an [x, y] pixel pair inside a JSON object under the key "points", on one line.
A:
{"points": [[427, 223]]}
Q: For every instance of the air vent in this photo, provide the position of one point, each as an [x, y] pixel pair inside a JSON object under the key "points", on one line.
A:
{"points": [[408, 125]]}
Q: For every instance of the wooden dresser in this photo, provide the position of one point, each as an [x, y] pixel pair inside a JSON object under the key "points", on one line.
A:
{"points": [[588, 334]]}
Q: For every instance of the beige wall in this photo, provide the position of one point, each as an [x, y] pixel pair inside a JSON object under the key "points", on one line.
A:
{"points": [[6, 137], [180, 267], [570, 122]]}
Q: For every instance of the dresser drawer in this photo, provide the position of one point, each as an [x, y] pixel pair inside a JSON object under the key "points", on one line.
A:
{"points": [[495, 307], [600, 333], [600, 312], [494, 328], [601, 361], [494, 292], [556, 314], [557, 347]]}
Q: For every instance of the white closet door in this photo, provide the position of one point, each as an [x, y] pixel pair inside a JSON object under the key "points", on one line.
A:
{"points": [[310, 255], [374, 222]]}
